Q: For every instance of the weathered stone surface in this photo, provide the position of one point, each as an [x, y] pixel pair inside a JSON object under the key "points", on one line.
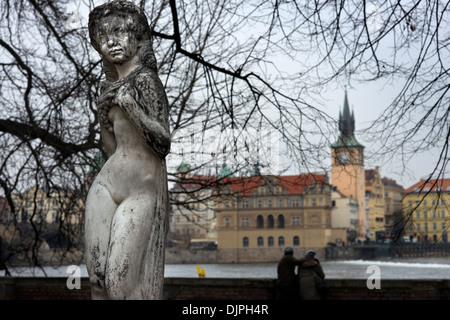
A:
{"points": [[127, 205]]}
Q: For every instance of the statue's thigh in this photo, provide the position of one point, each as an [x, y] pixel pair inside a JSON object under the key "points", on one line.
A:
{"points": [[100, 209], [131, 234]]}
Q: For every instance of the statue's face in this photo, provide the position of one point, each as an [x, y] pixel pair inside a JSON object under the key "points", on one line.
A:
{"points": [[117, 43]]}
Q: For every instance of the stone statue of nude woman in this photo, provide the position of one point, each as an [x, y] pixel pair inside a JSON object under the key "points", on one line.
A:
{"points": [[127, 204]]}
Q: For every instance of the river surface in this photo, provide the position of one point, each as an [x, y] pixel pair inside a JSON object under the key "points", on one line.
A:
{"points": [[414, 268]]}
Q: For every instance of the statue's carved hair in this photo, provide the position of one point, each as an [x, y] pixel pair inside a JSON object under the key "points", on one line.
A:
{"points": [[137, 25]]}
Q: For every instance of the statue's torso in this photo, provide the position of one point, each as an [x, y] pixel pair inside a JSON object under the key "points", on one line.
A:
{"points": [[133, 167]]}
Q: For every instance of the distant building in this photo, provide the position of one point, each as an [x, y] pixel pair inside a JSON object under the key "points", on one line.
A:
{"points": [[377, 200], [50, 206], [347, 167], [376, 204], [344, 214], [258, 216], [426, 211], [192, 215], [393, 202]]}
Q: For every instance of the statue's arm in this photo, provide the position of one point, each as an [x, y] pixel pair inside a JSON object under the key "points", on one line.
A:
{"points": [[145, 103]]}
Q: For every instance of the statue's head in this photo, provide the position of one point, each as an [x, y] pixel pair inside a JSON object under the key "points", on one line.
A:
{"points": [[123, 23]]}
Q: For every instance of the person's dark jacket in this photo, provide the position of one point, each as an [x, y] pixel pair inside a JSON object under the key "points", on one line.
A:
{"points": [[286, 270], [287, 279], [306, 272]]}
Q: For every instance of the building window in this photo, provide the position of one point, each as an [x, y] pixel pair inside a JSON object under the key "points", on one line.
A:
{"points": [[245, 222], [227, 222], [296, 241], [260, 221], [280, 221], [260, 242], [295, 221], [270, 204], [280, 203], [270, 221], [281, 241], [245, 242], [270, 242]]}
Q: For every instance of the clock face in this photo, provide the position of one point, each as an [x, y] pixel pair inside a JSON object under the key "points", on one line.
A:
{"points": [[344, 158]]}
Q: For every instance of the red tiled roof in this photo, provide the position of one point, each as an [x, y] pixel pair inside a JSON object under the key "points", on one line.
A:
{"points": [[390, 183], [429, 186], [245, 186], [370, 174], [295, 184]]}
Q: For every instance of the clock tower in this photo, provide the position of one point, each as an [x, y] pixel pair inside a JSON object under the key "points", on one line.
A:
{"points": [[347, 167]]}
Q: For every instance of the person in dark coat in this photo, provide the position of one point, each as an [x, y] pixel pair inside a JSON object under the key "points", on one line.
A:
{"points": [[287, 279], [307, 272]]}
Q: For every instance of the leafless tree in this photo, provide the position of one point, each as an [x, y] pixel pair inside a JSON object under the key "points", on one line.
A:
{"points": [[245, 66]]}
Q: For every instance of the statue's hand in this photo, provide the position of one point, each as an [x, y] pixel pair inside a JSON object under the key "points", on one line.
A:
{"points": [[105, 103]]}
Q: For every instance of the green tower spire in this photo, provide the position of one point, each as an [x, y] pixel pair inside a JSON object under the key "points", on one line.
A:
{"points": [[346, 127]]}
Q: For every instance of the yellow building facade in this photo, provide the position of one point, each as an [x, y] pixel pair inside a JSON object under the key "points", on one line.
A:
{"points": [[426, 208], [375, 204], [262, 215]]}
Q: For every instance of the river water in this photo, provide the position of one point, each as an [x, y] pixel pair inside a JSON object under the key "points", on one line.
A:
{"points": [[414, 268]]}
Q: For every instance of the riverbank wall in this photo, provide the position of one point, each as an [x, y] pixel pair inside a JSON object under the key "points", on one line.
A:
{"points": [[23, 288], [362, 252], [233, 255]]}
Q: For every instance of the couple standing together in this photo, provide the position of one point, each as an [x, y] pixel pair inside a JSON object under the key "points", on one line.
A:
{"points": [[304, 284]]}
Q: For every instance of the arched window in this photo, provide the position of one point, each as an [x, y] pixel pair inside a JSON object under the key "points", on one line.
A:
{"points": [[245, 242], [281, 241], [260, 242], [296, 241], [270, 221], [260, 222], [270, 242], [280, 221]]}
